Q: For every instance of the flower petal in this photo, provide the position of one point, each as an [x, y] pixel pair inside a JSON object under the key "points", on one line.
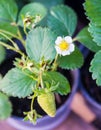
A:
{"points": [[68, 39], [58, 50], [58, 40], [71, 47], [64, 53]]}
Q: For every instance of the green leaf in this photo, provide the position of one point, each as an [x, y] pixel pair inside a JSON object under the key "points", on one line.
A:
{"points": [[5, 107], [93, 11], [32, 9], [49, 3], [95, 31], [17, 83], [40, 44], [62, 20], [72, 61], [8, 15], [2, 54], [7, 27], [86, 39], [96, 68], [57, 78]]}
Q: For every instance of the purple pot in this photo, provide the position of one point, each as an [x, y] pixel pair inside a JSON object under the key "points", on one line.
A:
{"points": [[48, 123], [93, 104]]}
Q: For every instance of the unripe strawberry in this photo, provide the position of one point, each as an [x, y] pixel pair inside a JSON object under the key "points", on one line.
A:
{"points": [[47, 103]]}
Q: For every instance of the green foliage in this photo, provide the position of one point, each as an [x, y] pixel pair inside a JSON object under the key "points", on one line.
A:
{"points": [[5, 107], [17, 83], [35, 74], [62, 20], [32, 9], [49, 3], [2, 54], [54, 78], [93, 11], [10, 12], [40, 44], [96, 68], [8, 15], [95, 31], [86, 39], [72, 61]]}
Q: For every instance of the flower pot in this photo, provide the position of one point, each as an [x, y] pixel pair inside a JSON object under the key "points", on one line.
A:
{"points": [[46, 122], [88, 87]]}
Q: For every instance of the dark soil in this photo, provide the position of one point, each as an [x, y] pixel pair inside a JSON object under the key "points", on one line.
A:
{"points": [[90, 85], [23, 105]]}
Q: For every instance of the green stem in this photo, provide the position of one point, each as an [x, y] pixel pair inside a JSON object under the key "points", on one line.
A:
{"points": [[54, 63], [21, 37], [40, 75], [32, 102], [14, 44], [25, 30], [30, 76], [11, 48], [74, 39], [41, 81], [9, 33]]}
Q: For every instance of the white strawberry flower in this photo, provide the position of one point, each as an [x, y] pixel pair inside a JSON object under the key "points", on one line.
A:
{"points": [[64, 46]]}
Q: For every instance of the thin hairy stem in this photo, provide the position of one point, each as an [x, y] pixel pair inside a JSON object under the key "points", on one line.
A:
{"points": [[13, 43], [11, 48]]}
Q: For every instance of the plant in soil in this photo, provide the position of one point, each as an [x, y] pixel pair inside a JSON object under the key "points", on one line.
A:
{"points": [[48, 46]]}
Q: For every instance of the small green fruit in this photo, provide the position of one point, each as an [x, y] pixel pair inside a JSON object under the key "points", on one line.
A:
{"points": [[47, 103]]}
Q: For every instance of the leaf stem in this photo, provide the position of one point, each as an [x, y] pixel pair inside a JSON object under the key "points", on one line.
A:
{"points": [[11, 48], [20, 37], [42, 85], [32, 102], [13, 43], [9, 33], [74, 39], [30, 76], [25, 30], [54, 63]]}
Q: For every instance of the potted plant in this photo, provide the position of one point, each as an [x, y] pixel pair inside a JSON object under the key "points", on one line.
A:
{"points": [[90, 37], [39, 58]]}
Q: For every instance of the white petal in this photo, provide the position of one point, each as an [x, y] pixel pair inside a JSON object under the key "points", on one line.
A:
{"points": [[64, 53], [68, 39], [58, 40], [71, 47], [58, 50]]}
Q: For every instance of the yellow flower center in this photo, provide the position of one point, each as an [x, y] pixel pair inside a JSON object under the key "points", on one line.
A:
{"points": [[63, 45]]}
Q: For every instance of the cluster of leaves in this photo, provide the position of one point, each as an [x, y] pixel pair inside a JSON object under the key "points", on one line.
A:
{"points": [[34, 73], [9, 25], [91, 36]]}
